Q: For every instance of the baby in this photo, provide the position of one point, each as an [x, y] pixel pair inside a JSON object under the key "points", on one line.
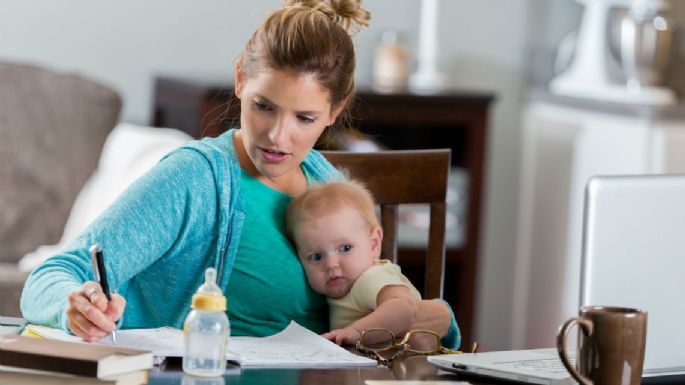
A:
{"points": [[338, 240]]}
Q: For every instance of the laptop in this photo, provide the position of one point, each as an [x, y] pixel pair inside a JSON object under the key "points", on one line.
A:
{"points": [[633, 256], [535, 366]]}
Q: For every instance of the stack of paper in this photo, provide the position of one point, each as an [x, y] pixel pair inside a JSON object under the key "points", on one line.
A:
{"points": [[163, 342], [11, 325], [295, 346]]}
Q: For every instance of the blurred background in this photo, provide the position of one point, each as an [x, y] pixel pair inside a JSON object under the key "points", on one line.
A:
{"points": [[506, 52]]}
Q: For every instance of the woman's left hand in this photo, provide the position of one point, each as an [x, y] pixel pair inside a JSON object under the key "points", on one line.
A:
{"points": [[432, 315]]}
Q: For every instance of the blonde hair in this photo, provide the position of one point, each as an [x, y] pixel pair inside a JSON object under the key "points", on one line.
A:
{"points": [[328, 198], [309, 36]]}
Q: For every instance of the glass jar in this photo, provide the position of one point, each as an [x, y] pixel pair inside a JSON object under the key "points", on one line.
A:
{"points": [[391, 63]]}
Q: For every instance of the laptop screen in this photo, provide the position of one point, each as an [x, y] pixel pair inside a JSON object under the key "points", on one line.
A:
{"points": [[634, 256]]}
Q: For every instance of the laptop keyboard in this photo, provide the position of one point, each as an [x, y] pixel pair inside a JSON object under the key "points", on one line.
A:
{"points": [[552, 365]]}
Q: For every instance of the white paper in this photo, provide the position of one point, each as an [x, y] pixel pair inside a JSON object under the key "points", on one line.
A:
{"points": [[295, 346], [163, 342], [55, 334], [415, 382]]}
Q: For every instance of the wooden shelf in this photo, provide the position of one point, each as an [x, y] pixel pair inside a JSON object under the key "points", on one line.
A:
{"points": [[454, 119]]}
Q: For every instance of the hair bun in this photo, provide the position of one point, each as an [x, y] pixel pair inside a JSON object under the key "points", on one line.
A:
{"points": [[348, 14]]}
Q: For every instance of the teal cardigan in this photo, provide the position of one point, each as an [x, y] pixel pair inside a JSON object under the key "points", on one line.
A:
{"points": [[184, 215]]}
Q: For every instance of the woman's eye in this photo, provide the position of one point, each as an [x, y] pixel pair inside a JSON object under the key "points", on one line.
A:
{"points": [[262, 106], [345, 248], [305, 119], [316, 257]]}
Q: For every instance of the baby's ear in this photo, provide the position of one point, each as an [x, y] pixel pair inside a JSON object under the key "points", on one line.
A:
{"points": [[376, 241]]}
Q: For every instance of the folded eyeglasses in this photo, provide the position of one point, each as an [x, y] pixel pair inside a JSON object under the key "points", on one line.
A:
{"points": [[382, 345]]}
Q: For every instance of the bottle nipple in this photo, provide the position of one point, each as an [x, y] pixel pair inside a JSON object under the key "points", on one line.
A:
{"points": [[210, 287], [209, 295]]}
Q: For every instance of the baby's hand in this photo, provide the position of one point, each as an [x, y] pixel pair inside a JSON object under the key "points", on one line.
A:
{"points": [[347, 336]]}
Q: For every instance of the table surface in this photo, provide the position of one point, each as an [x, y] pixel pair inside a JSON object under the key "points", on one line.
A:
{"points": [[410, 368]]}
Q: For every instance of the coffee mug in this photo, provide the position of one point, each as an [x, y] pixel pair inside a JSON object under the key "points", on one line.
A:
{"points": [[611, 345]]}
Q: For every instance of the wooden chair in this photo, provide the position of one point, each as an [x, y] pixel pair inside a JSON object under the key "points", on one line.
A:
{"points": [[405, 177]]}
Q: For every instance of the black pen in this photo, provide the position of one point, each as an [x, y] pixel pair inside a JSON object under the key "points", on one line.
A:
{"points": [[98, 262]]}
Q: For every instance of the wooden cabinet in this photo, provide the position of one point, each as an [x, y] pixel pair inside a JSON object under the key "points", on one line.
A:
{"points": [[456, 120]]}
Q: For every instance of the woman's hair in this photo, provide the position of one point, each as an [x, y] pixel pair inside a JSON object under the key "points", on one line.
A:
{"points": [[328, 198], [309, 36]]}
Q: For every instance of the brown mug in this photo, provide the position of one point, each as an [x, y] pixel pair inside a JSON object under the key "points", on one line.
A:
{"points": [[611, 345]]}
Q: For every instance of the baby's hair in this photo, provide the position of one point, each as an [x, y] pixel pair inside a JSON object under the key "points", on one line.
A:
{"points": [[327, 198]]}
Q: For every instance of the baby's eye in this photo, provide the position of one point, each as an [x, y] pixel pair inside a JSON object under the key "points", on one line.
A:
{"points": [[345, 248], [316, 257]]}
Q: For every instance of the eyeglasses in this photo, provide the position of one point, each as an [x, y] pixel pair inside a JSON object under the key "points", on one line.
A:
{"points": [[382, 345]]}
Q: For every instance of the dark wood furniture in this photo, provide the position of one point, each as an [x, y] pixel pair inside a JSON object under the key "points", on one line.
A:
{"points": [[410, 368], [399, 177], [455, 119], [414, 368]]}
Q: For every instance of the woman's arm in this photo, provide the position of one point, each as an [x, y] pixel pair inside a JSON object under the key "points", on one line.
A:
{"points": [[436, 315], [396, 311], [433, 315], [134, 232]]}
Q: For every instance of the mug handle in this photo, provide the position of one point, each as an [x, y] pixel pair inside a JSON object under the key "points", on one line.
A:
{"points": [[586, 326]]}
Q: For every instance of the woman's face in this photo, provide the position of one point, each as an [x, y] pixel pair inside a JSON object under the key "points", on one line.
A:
{"points": [[282, 115]]}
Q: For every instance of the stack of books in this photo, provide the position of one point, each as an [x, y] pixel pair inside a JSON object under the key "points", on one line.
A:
{"points": [[11, 325], [28, 360]]}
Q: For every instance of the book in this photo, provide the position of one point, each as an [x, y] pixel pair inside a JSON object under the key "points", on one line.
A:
{"points": [[11, 325], [17, 376], [294, 346], [89, 360]]}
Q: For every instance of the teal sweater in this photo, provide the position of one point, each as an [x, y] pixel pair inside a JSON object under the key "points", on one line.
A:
{"points": [[184, 215]]}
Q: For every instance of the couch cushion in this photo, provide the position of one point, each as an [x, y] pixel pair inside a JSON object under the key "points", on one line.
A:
{"points": [[129, 151], [52, 129], [11, 284]]}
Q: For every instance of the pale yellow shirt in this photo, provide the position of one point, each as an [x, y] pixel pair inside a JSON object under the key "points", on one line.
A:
{"points": [[361, 300]]}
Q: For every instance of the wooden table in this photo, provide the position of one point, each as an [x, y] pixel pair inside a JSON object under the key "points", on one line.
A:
{"points": [[411, 368]]}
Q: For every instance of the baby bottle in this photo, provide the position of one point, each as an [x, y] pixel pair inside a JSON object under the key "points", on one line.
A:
{"points": [[206, 330]]}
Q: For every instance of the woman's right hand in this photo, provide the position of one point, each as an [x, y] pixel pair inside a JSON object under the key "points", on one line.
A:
{"points": [[90, 316]]}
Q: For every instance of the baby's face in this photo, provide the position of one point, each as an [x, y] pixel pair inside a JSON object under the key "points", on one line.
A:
{"points": [[335, 249]]}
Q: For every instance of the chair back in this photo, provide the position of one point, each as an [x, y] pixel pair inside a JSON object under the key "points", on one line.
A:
{"points": [[405, 177]]}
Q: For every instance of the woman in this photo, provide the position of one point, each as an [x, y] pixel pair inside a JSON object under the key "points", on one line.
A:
{"points": [[221, 202]]}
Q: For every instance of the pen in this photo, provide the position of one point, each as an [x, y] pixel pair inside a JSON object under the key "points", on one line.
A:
{"points": [[98, 262]]}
